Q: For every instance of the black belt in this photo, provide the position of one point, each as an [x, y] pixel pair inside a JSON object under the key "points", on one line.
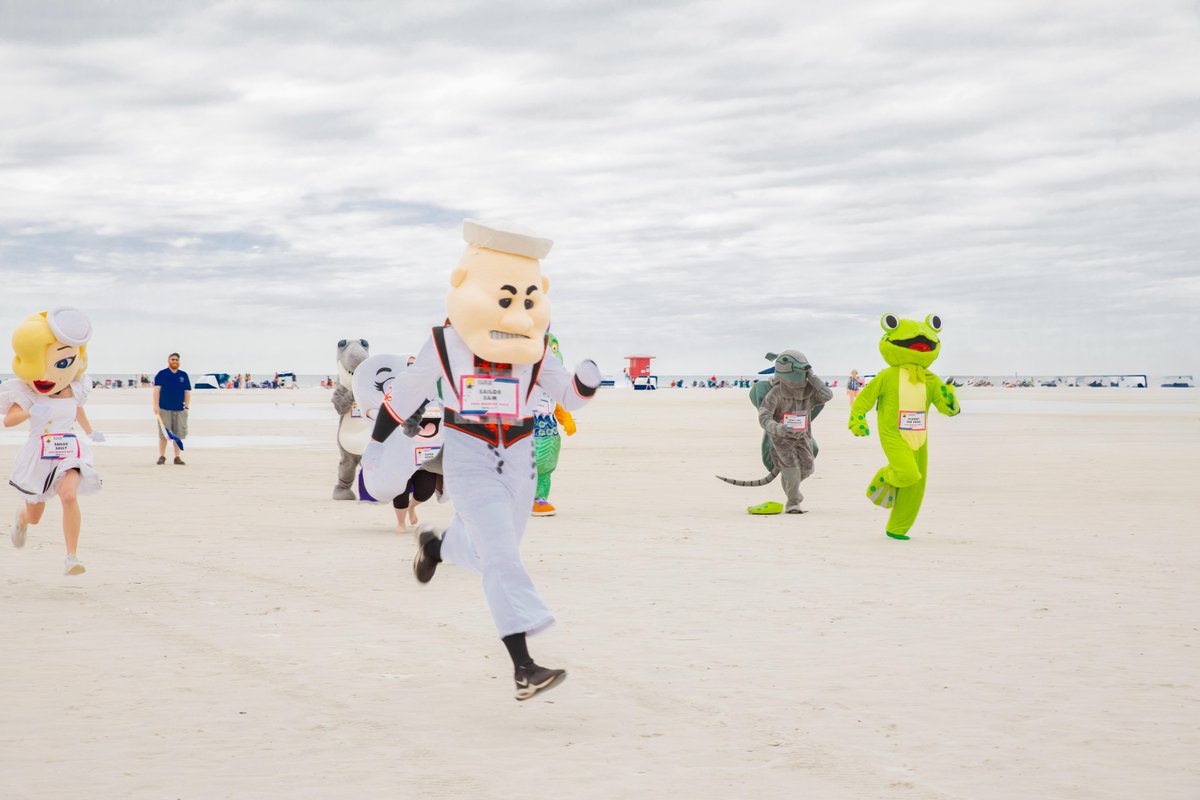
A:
{"points": [[494, 434]]}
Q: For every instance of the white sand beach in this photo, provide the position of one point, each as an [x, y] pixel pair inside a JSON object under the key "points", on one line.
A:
{"points": [[239, 634]]}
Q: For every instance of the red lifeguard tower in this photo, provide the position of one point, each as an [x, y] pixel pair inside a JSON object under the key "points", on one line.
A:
{"points": [[638, 372], [639, 367]]}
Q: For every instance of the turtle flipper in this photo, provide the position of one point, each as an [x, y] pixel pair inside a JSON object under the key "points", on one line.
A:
{"points": [[880, 492]]}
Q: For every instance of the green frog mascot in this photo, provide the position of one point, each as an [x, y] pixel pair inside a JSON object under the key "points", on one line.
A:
{"points": [[901, 395]]}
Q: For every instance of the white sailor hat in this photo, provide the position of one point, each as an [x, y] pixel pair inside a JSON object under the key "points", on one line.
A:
{"points": [[69, 325], [505, 238]]}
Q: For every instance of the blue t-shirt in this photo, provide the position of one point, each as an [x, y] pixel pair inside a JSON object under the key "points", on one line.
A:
{"points": [[174, 384]]}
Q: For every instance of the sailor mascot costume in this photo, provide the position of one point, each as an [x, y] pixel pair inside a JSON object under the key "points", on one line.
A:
{"points": [[493, 362]]}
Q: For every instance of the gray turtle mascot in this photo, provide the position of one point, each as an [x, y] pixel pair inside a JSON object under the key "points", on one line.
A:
{"points": [[354, 429], [787, 405]]}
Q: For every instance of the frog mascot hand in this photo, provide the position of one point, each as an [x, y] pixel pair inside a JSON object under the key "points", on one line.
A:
{"points": [[787, 405], [902, 394]]}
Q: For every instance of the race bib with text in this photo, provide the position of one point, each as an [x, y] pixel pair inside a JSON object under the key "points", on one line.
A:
{"points": [[57, 446], [795, 422], [424, 454], [486, 395]]}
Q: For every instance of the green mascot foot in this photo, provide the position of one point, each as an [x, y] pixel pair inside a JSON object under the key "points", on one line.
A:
{"points": [[766, 508], [901, 536], [880, 492]]}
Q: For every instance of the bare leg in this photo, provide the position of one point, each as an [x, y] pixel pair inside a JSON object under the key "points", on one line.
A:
{"points": [[412, 511], [32, 513], [401, 513], [162, 448], [72, 518]]}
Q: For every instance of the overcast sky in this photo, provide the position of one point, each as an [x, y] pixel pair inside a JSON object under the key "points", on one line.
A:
{"points": [[248, 182]]}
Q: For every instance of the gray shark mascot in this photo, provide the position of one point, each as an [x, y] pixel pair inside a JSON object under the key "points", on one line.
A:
{"points": [[354, 429]]}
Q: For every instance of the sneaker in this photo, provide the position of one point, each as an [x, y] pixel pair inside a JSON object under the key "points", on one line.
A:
{"points": [[161, 460], [178, 461], [18, 530], [533, 679], [542, 508], [73, 567], [424, 564]]}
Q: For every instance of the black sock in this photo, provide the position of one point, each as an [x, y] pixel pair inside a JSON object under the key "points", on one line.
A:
{"points": [[433, 549], [517, 650]]}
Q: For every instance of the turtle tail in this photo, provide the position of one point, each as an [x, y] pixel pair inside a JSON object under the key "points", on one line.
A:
{"points": [[760, 482]]}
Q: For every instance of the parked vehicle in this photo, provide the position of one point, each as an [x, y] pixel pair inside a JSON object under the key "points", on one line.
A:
{"points": [[211, 380]]}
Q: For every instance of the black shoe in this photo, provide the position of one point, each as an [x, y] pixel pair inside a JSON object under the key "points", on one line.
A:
{"points": [[424, 562], [533, 679]]}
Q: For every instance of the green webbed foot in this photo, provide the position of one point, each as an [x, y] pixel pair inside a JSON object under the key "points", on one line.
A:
{"points": [[880, 492], [904, 537]]}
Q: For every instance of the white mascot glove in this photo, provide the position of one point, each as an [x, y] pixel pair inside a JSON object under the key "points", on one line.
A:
{"points": [[372, 455], [97, 436], [588, 374]]}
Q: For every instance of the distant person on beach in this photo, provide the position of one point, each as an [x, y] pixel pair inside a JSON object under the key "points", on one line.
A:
{"points": [[172, 395], [853, 385]]}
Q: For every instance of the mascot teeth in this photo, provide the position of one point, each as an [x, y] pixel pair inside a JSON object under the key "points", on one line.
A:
{"points": [[506, 335]]}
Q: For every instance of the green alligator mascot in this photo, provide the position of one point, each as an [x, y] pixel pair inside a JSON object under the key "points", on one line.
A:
{"points": [[546, 443], [901, 395], [787, 405]]}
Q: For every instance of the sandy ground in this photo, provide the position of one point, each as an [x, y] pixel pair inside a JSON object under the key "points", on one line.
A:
{"points": [[239, 634]]}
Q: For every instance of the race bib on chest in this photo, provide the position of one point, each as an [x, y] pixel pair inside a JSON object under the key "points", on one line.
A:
{"points": [[912, 420], [795, 422], [486, 395], [355, 411], [424, 454], [57, 446]]}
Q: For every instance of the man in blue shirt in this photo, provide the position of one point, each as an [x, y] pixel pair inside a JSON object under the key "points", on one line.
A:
{"points": [[172, 394]]}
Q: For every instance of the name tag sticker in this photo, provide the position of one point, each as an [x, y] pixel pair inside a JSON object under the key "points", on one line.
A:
{"points": [[795, 422], [424, 454], [912, 420], [485, 395], [57, 446]]}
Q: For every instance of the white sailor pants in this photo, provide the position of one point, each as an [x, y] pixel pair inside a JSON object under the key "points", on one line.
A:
{"points": [[492, 488]]}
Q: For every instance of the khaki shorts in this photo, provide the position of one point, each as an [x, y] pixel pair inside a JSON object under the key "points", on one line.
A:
{"points": [[176, 421]]}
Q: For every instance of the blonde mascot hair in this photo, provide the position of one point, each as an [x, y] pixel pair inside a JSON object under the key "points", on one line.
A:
{"points": [[30, 340]]}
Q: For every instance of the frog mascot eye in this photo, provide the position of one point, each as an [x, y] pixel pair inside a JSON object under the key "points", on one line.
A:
{"points": [[934, 321], [889, 322]]}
